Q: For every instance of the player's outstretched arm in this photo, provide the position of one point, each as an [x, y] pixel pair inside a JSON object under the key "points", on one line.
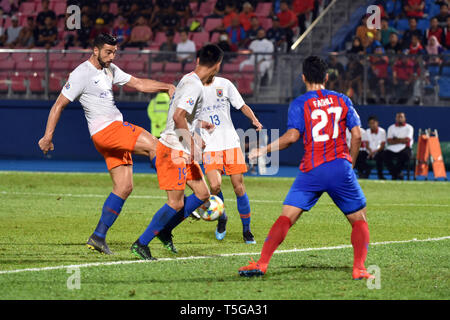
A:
{"points": [[150, 86], [46, 143], [248, 112], [291, 136], [355, 143]]}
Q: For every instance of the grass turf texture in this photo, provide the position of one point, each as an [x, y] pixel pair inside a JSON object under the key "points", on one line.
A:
{"points": [[45, 220]]}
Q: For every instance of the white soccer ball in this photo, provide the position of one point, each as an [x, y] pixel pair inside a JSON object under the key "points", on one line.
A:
{"points": [[210, 210]]}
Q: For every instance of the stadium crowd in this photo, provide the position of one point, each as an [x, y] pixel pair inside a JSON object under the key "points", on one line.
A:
{"points": [[413, 36]]}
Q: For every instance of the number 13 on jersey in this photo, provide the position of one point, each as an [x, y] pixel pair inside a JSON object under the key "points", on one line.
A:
{"points": [[325, 117]]}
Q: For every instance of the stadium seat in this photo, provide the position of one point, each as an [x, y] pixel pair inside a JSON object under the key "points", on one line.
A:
{"points": [[230, 67], [55, 83], [130, 57], [156, 67], [59, 66], [266, 23], [215, 37], [7, 65], [4, 87], [446, 71], [189, 67], [444, 87], [206, 8], [212, 23], [19, 56], [129, 90], [263, 9], [173, 67], [35, 84], [18, 83], [39, 66], [34, 56], [138, 66], [200, 38], [169, 77], [402, 25], [24, 66], [244, 86], [59, 8], [27, 8], [160, 38], [423, 24], [113, 8]]}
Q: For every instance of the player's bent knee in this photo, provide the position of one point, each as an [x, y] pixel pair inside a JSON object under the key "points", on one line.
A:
{"points": [[215, 188], [239, 190]]}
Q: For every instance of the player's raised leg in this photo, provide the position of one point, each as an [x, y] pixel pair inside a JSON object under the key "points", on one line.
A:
{"points": [[146, 145], [276, 236], [122, 177]]}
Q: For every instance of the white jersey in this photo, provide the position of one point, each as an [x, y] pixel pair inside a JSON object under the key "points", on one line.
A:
{"points": [[188, 96], [364, 139], [93, 88], [375, 139], [219, 96], [401, 132]]}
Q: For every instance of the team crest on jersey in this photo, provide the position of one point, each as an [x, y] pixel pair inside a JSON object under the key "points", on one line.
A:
{"points": [[219, 93], [67, 86]]}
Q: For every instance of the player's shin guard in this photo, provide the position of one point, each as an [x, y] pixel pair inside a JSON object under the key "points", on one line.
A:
{"points": [[276, 236], [360, 243], [159, 221], [243, 206], [111, 210]]}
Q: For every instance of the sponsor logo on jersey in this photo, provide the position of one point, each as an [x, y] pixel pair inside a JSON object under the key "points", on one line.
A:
{"points": [[67, 86], [190, 101]]}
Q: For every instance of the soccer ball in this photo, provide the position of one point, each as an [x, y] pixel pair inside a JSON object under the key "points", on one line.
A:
{"points": [[210, 210]]}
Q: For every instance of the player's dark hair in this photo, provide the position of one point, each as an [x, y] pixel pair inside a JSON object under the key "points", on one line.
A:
{"points": [[372, 117], [315, 69], [103, 39], [209, 55]]}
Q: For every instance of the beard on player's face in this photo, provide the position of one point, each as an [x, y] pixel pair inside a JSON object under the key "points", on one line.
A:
{"points": [[104, 63]]}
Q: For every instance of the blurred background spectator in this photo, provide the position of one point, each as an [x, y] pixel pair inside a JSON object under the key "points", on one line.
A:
{"points": [[185, 48]]}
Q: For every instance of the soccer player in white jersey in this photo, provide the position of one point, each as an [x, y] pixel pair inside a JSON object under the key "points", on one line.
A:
{"points": [[223, 152], [91, 83], [176, 154]]}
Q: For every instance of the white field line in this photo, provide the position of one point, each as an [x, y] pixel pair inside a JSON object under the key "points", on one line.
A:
{"points": [[46, 194], [97, 264]]}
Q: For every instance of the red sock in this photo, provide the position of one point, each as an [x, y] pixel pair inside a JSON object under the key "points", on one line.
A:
{"points": [[360, 243], [275, 237]]}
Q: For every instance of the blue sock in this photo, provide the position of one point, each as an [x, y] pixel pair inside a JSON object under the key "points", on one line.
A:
{"points": [[154, 162], [159, 221], [110, 212], [176, 219], [190, 204], [223, 216], [243, 206]]}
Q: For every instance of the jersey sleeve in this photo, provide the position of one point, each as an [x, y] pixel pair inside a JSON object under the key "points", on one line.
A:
{"points": [[352, 119], [189, 95], [296, 119], [119, 77], [74, 86], [390, 133], [235, 97]]}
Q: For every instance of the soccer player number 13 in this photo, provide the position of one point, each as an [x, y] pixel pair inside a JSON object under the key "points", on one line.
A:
{"points": [[324, 118], [215, 120]]}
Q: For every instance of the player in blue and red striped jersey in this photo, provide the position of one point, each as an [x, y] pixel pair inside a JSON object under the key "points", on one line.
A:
{"points": [[320, 116]]}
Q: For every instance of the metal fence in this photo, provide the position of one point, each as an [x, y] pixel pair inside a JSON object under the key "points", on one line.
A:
{"points": [[261, 78]]}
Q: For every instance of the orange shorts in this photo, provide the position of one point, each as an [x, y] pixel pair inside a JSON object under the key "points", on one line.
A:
{"points": [[173, 170], [229, 161], [116, 143]]}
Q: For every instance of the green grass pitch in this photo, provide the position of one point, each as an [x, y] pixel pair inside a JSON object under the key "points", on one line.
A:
{"points": [[45, 220]]}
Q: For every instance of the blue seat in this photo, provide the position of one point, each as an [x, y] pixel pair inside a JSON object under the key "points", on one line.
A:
{"points": [[423, 24], [433, 70], [444, 87], [446, 71], [402, 24]]}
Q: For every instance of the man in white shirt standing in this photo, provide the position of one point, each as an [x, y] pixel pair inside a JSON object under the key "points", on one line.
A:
{"points": [[400, 138], [376, 141], [263, 60], [185, 48], [91, 83]]}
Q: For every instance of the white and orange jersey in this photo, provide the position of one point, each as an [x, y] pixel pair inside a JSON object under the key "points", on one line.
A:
{"points": [[93, 88], [188, 96], [219, 96]]}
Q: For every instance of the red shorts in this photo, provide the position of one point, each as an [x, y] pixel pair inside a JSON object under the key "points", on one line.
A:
{"points": [[229, 161], [173, 170], [116, 143]]}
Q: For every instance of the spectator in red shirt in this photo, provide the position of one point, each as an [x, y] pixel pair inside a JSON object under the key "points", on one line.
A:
{"points": [[405, 73], [230, 14], [302, 8], [288, 20], [415, 47], [446, 35], [246, 15], [379, 73], [414, 8], [434, 30]]}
